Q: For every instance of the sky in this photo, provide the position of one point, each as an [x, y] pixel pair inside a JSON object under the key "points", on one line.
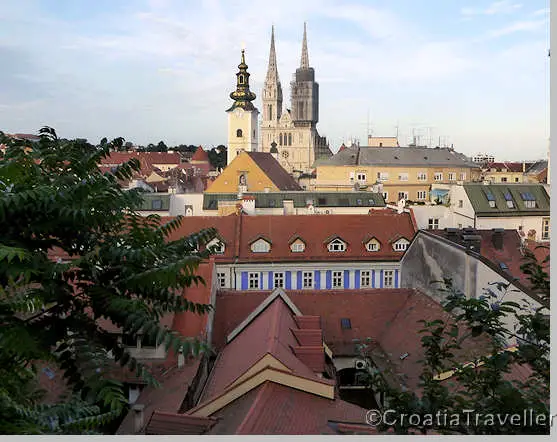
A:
{"points": [[474, 74]]}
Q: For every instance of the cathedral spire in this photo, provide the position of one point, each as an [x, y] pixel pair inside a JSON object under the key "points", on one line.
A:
{"points": [[304, 64], [272, 71]]}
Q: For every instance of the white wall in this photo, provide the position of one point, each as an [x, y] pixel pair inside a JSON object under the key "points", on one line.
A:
{"points": [[178, 201], [424, 213], [513, 222]]}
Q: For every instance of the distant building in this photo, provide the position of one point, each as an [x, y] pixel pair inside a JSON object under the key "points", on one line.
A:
{"points": [[482, 158], [382, 141]]}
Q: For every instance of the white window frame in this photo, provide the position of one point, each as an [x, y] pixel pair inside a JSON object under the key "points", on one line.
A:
{"points": [[278, 280], [372, 246], [388, 278], [337, 279], [404, 195], [336, 245], [400, 246], [361, 177], [382, 176], [307, 280], [530, 204], [297, 247], [422, 176], [253, 280], [452, 176], [545, 228], [422, 194], [403, 176], [260, 246], [365, 278], [221, 279], [462, 176], [438, 176], [433, 223]]}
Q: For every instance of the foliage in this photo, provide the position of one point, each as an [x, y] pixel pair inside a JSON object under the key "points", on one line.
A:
{"points": [[218, 157], [485, 385], [112, 264]]}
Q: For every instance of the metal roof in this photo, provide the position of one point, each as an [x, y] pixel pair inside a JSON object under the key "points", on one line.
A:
{"points": [[150, 201], [480, 194], [398, 156], [301, 199]]}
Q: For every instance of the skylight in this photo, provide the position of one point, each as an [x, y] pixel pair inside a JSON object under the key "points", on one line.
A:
{"points": [[527, 196], [489, 195]]}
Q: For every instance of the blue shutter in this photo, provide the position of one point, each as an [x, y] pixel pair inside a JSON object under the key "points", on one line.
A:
{"points": [[317, 277], [346, 279], [328, 280], [288, 280], [244, 280], [271, 287], [381, 279], [260, 280], [396, 279], [373, 279], [299, 280], [357, 279]]}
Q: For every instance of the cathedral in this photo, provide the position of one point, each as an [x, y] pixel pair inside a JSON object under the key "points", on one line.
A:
{"points": [[289, 134]]}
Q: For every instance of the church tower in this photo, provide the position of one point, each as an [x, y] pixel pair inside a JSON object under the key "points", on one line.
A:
{"points": [[305, 91], [272, 99], [242, 116]]}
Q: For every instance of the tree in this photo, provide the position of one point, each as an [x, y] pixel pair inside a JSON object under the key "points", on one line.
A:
{"points": [[483, 385], [161, 147], [217, 157], [116, 265]]}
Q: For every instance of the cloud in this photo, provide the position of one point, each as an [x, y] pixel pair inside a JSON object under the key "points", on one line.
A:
{"points": [[496, 8], [519, 26]]}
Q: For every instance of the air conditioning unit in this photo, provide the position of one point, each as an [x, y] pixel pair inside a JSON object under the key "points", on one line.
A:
{"points": [[360, 364]]}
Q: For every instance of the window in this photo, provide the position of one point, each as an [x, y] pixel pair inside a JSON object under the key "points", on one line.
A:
{"points": [[156, 204], [336, 246], [241, 79], [403, 176], [545, 228], [365, 278], [438, 176], [337, 279], [490, 198], [385, 195], [388, 278], [221, 278], [253, 280], [402, 196], [433, 223], [459, 226], [516, 180], [278, 279], [382, 176], [460, 203], [307, 280], [148, 341], [462, 176], [422, 176], [239, 133], [130, 341], [401, 245], [503, 179], [372, 246], [345, 324], [422, 194], [509, 200], [297, 246], [290, 139], [529, 200], [260, 246], [361, 177], [452, 176]]}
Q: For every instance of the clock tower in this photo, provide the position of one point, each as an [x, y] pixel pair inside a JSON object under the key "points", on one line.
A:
{"points": [[242, 116]]}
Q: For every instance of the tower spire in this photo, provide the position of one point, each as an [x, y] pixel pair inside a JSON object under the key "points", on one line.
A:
{"points": [[272, 71], [304, 63], [242, 96]]}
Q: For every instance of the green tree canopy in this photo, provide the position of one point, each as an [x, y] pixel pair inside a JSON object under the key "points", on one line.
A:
{"points": [[115, 264]]}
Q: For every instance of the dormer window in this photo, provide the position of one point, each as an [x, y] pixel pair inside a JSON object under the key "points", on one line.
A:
{"points": [[336, 245], [216, 246], [401, 245], [529, 200], [297, 246], [490, 198], [509, 200], [260, 246], [373, 245]]}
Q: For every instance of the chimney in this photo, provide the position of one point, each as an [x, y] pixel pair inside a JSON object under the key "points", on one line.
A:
{"points": [[138, 417], [452, 233], [472, 242], [288, 206], [497, 238]]}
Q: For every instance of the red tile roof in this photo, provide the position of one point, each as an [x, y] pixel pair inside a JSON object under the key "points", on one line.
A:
{"points": [[200, 155], [240, 231], [509, 166], [162, 423], [276, 173]]}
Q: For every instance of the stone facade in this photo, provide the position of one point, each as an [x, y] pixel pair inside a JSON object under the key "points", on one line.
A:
{"points": [[292, 131]]}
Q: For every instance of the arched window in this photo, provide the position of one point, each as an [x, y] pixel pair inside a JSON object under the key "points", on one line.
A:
{"points": [[290, 139], [280, 139], [241, 79], [239, 133]]}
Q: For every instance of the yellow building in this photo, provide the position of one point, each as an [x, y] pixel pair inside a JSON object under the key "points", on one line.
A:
{"points": [[382, 141], [398, 172], [253, 172]]}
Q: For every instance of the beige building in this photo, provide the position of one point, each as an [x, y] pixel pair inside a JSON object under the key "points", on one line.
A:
{"points": [[398, 172], [242, 116], [382, 141], [291, 134]]}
